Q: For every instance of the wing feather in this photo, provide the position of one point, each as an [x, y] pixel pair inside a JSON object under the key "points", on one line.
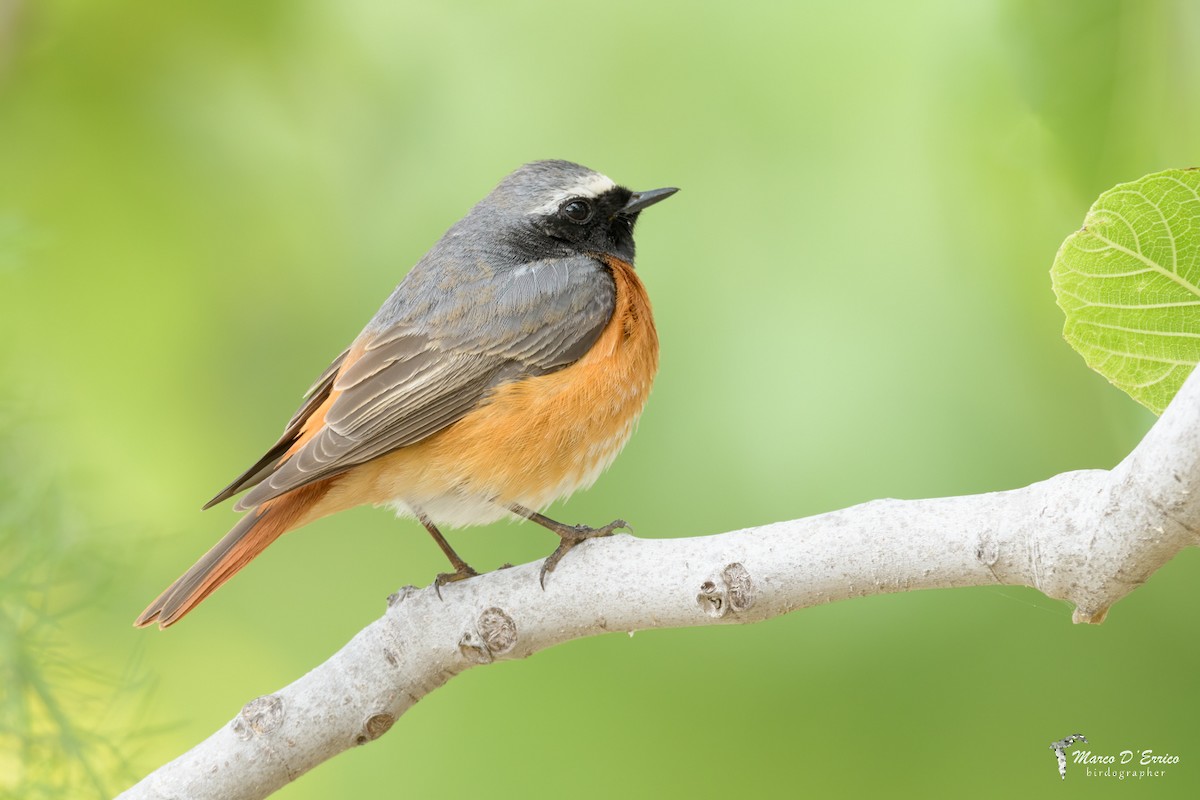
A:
{"points": [[317, 394], [431, 356]]}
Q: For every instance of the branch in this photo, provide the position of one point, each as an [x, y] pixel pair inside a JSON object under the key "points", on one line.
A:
{"points": [[1087, 537]]}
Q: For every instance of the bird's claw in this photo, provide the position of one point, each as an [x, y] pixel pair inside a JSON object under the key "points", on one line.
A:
{"points": [[463, 572], [573, 535]]}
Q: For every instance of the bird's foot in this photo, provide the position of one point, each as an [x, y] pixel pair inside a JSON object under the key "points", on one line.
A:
{"points": [[461, 573], [572, 535]]}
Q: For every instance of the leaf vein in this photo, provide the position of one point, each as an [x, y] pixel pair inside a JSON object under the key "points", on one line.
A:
{"points": [[1153, 265], [1138, 357], [1181, 334], [1134, 306]]}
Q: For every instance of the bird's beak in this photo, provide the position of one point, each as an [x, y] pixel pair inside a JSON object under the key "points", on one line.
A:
{"points": [[640, 200]]}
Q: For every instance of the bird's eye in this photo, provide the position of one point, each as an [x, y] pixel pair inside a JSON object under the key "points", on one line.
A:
{"points": [[576, 210]]}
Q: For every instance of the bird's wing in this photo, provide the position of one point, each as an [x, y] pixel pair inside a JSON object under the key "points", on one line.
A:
{"points": [[316, 395], [431, 355]]}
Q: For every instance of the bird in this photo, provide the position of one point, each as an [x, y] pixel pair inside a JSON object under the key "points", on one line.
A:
{"points": [[506, 370]]}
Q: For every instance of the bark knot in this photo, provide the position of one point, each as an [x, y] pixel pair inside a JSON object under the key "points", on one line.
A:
{"points": [[397, 597], [494, 634], [987, 552], [258, 717], [375, 726], [734, 592]]}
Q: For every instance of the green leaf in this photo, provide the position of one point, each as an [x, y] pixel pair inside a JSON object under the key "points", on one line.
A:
{"points": [[1129, 283]]}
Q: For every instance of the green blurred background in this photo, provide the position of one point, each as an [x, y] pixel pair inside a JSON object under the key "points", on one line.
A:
{"points": [[202, 202]]}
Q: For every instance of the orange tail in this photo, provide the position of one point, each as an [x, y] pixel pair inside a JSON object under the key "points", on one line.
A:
{"points": [[238, 548]]}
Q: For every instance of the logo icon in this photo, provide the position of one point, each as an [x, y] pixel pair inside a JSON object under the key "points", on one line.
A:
{"points": [[1060, 750]]}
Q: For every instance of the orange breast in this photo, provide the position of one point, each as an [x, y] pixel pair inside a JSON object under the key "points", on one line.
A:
{"points": [[536, 439]]}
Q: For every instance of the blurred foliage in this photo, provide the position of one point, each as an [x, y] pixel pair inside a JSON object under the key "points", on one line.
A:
{"points": [[202, 202], [56, 736], [1128, 284]]}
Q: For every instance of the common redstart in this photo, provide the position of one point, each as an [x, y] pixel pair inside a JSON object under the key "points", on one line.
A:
{"points": [[505, 371]]}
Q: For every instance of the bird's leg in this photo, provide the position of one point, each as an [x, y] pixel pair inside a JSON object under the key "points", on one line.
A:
{"points": [[570, 535], [462, 569]]}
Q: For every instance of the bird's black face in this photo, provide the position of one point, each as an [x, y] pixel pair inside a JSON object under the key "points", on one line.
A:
{"points": [[593, 224], [556, 209]]}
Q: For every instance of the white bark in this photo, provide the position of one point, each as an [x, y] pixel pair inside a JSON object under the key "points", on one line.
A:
{"points": [[1087, 537]]}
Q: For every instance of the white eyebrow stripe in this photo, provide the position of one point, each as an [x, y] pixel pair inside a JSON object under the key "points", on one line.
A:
{"points": [[592, 186]]}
